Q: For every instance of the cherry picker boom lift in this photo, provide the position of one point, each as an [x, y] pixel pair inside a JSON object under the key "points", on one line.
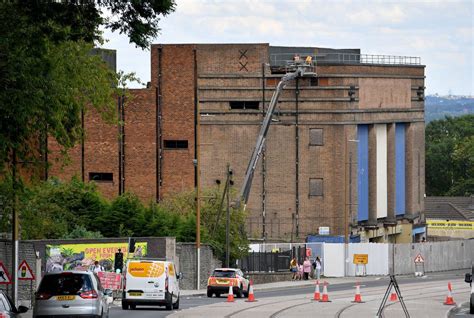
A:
{"points": [[295, 69]]}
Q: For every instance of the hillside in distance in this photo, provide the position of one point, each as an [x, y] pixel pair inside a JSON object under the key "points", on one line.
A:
{"points": [[438, 107]]}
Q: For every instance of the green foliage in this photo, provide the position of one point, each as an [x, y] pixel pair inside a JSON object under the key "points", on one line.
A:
{"points": [[55, 209], [48, 75], [81, 232], [449, 156]]}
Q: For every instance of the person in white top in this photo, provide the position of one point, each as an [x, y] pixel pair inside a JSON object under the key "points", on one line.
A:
{"points": [[318, 267], [98, 267]]}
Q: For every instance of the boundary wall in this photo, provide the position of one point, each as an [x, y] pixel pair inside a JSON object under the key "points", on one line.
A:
{"points": [[384, 258]]}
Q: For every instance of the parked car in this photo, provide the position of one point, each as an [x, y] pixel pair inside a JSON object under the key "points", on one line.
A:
{"points": [[150, 282], [220, 280], [7, 309], [468, 279], [71, 293]]}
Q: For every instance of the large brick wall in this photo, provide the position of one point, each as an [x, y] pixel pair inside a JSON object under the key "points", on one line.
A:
{"points": [[218, 73]]}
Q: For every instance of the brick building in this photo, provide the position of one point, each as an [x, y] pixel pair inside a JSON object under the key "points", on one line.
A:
{"points": [[345, 147]]}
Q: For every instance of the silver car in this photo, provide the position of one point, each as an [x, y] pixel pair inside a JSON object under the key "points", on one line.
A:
{"points": [[72, 293]]}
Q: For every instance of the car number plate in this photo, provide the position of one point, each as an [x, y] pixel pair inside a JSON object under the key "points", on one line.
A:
{"points": [[62, 298], [135, 294], [222, 281]]}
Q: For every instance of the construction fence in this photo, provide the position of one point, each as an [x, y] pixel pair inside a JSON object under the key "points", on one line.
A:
{"points": [[382, 258]]}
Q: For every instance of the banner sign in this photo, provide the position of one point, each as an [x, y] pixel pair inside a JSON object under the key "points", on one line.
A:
{"points": [[110, 280], [83, 256], [450, 225]]}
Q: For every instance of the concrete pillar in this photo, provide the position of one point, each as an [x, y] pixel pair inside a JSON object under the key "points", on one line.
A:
{"points": [[372, 176]]}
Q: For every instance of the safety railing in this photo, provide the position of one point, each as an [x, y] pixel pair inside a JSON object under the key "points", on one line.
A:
{"points": [[282, 59]]}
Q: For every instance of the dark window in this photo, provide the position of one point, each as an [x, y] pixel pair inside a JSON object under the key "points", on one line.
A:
{"points": [[244, 105], [316, 137], [65, 284], [223, 273], [315, 187], [101, 176], [176, 144], [313, 81]]}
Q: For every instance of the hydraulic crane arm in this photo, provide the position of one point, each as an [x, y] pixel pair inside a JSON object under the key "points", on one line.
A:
{"points": [[247, 184]]}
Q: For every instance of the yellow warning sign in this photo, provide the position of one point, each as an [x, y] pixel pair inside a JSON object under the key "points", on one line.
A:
{"points": [[361, 259]]}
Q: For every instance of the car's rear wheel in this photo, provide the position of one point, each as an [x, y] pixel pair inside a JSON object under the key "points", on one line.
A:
{"points": [[176, 304], [209, 294], [239, 292], [169, 303], [133, 306], [124, 305]]}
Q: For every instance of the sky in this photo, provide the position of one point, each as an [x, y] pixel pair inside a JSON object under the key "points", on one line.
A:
{"points": [[441, 33]]}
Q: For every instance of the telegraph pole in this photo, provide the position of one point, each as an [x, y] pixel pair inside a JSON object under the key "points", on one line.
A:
{"points": [[198, 198], [15, 231], [227, 228]]}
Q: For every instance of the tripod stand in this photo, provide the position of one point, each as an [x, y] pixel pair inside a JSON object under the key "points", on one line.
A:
{"points": [[393, 282]]}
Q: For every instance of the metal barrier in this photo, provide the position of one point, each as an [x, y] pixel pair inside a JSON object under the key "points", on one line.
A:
{"points": [[266, 262], [281, 59]]}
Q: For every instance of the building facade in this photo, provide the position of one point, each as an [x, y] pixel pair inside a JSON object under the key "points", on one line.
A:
{"points": [[345, 149]]}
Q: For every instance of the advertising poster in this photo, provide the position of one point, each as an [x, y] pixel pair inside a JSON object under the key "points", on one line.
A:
{"points": [[83, 256]]}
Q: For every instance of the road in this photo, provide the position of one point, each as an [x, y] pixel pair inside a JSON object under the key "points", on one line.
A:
{"points": [[423, 297]]}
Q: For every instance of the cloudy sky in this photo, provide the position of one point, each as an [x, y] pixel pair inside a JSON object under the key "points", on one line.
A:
{"points": [[440, 32]]}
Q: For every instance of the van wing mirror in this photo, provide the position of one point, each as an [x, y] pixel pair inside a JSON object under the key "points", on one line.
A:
{"points": [[179, 276], [468, 278]]}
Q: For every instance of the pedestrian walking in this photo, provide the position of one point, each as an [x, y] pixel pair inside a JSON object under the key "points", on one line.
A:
{"points": [[294, 268], [306, 268], [317, 265]]}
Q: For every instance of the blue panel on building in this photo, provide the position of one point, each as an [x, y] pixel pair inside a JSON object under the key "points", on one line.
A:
{"points": [[400, 169], [363, 172]]}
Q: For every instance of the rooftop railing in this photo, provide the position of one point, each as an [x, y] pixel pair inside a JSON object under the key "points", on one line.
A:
{"points": [[282, 59]]}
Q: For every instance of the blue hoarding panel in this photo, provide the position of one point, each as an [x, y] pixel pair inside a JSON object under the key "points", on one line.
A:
{"points": [[363, 172], [400, 169]]}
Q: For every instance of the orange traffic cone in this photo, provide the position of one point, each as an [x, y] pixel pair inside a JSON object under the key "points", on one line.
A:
{"points": [[230, 296], [325, 298], [317, 295], [449, 298], [251, 297], [393, 296], [357, 297]]}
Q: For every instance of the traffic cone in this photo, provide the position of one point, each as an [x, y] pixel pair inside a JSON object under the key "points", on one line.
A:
{"points": [[357, 297], [251, 297], [317, 295], [449, 298], [393, 296], [230, 296], [325, 298]]}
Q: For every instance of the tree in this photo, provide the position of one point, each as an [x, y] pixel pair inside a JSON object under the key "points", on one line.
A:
{"points": [[47, 74], [449, 159]]}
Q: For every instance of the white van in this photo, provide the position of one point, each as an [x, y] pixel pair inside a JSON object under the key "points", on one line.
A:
{"points": [[150, 282]]}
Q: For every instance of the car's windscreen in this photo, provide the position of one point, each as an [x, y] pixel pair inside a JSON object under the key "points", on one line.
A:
{"points": [[65, 284], [227, 274]]}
